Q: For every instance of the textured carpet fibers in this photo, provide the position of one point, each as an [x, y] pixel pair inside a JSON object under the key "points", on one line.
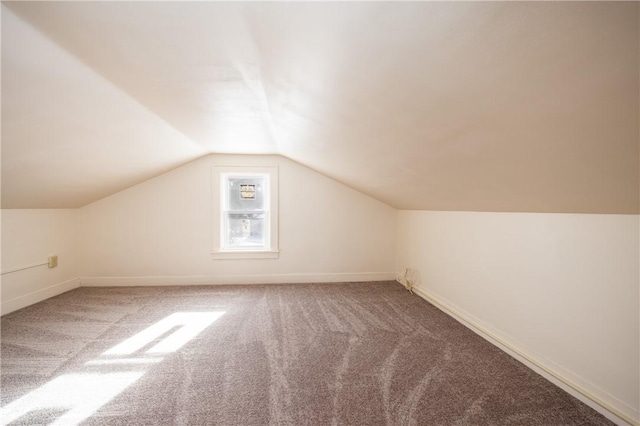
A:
{"points": [[322, 354]]}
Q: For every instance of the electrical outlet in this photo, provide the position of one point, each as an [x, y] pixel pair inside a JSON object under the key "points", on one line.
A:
{"points": [[53, 261]]}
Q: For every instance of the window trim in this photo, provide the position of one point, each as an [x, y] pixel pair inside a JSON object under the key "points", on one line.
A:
{"points": [[271, 251]]}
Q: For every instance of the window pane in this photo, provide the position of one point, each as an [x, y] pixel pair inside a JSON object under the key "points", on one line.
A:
{"points": [[246, 229], [246, 194]]}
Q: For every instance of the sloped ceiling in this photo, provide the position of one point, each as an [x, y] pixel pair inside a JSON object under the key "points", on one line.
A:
{"points": [[435, 106]]}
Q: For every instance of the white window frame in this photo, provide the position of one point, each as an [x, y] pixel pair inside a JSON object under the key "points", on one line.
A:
{"points": [[220, 175]]}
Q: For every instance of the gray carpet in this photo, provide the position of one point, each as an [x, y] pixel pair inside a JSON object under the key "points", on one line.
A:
{"points": [[322, 354]]}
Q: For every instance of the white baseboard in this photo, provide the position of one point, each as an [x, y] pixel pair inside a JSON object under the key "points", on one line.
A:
{"points": [[607, 405], [38, 296], [234, 279]]}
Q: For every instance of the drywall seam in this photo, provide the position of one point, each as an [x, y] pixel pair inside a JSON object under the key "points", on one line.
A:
{"points": [[38, 296], [530, 361], [234, 279]]}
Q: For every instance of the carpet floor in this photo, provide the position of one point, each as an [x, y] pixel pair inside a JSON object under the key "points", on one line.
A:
{"points": [[311, 354]]}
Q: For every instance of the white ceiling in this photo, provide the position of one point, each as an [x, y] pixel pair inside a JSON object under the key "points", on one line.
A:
{"points": [[439, 106]]}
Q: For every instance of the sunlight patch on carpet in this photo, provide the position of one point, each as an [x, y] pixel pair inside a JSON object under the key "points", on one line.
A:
{"points": [[82, 394], [191, 324]]}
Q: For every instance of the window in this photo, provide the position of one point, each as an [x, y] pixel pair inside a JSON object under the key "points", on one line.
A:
{"points": [[245, 211], [247, 216]]}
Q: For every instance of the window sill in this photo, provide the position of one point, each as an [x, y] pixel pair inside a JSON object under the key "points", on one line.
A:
{"points": [[241, 254]]}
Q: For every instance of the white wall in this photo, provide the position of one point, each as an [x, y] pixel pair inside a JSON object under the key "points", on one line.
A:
{"points": [[561, 288], [160, 231], [29, 237]]}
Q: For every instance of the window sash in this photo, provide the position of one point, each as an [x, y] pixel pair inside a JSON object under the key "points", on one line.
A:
{"points": [[227, 243]]}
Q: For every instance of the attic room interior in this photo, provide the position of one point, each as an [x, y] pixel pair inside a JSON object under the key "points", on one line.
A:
{"points": [[309, 213]]}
